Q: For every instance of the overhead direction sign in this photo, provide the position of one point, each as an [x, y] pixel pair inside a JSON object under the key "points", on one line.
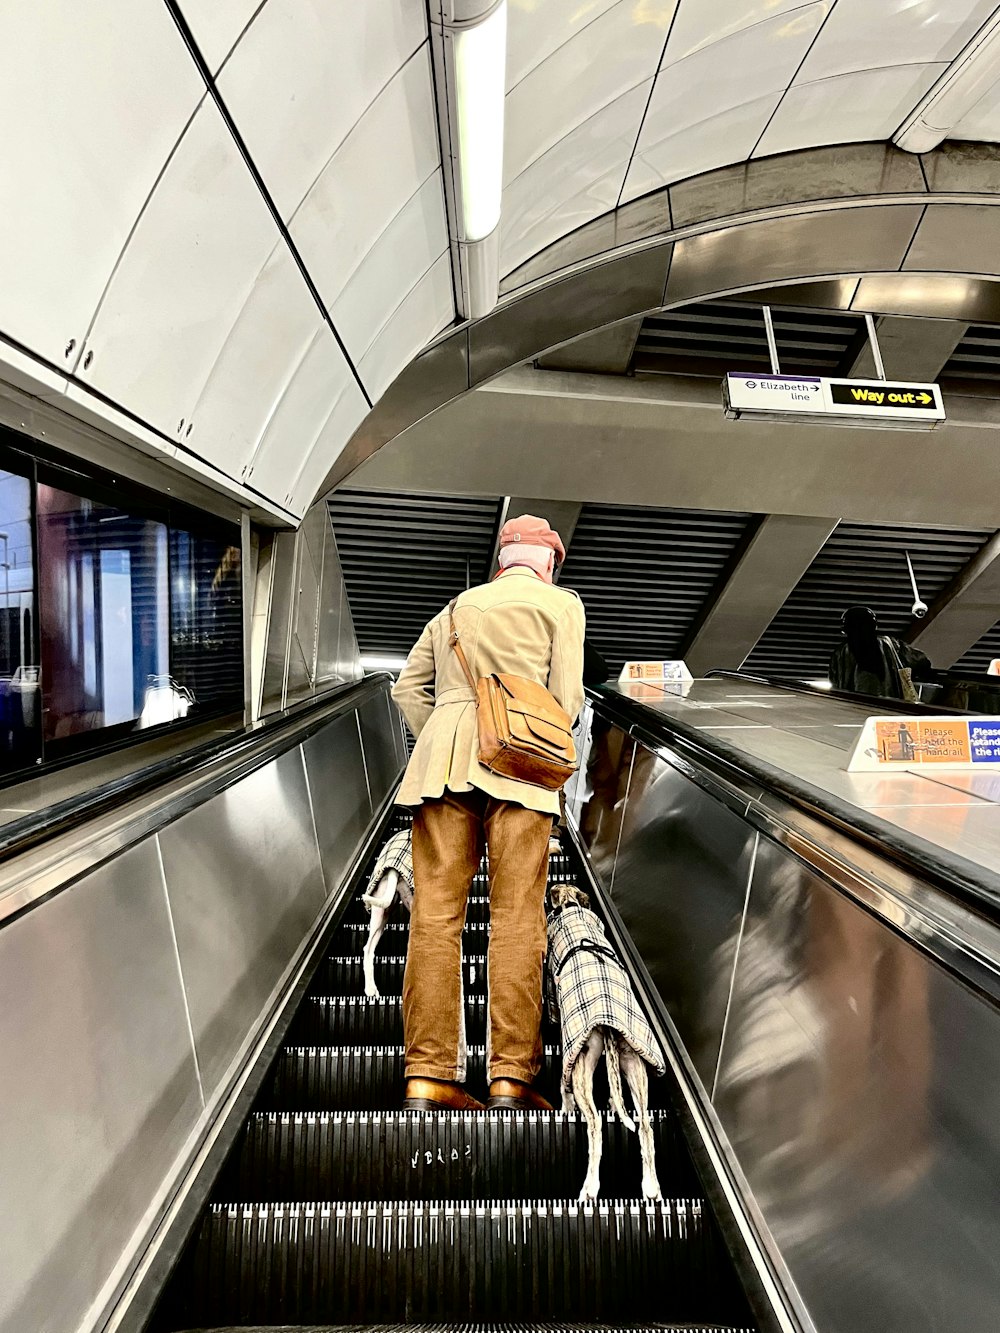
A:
{"points": [[750, 394], [865, 396]]}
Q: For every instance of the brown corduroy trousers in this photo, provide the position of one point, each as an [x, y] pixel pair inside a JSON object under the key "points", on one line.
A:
{"points": [[449, 836]]}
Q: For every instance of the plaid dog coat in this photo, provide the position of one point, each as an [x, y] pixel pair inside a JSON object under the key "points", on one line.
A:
{"points": [[397, 854], [592, 989]]}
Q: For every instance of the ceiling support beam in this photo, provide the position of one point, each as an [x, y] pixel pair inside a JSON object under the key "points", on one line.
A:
{"points": [[965, 610], [608, 352], [776, 557], [915, 350], [561, 515]]}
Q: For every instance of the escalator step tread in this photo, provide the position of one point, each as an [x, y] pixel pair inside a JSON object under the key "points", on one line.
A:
{"points": [[342, 974], [354, 1078], [390, 1155], [341, 1020], [533, 1327], [498, 1260]]}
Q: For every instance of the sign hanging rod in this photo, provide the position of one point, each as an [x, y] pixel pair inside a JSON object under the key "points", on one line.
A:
{"points": [[772, 345]]}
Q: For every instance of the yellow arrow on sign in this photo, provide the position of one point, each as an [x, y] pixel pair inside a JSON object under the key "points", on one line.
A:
{"points": [[925, 397]]}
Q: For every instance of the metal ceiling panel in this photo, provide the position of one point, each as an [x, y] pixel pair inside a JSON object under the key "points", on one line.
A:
{"points": [[405, 557], [977, 356], [860, 564], [716, 336], [981, 654], [646, 575]]}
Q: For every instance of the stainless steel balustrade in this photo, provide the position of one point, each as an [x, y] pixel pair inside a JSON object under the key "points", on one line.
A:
{"points": [[839, 1018], [149, 950]]}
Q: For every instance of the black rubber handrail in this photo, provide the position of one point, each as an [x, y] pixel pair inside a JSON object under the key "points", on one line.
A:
{"points": [[964, 880], [298, 721]]}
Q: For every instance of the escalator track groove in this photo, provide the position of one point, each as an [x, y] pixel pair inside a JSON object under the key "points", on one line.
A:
{"points": [[334, 1206]]}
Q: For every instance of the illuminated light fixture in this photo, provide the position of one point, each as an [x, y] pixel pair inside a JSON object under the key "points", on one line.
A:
{"points": [[470, 50], [965, 82], [383, 663]]}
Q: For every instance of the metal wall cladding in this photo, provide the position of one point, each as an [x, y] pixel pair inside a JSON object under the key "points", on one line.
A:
{"points": [[99, 1088], [859, 1085], [856, 1080], [598, 800], [680, 883], [308, 642], [339, 794], [382, 739], [245, 885]]}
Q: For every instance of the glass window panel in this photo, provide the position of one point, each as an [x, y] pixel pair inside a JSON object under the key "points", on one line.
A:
{"points": [[104, 612], [20, 712], [206, 617]]}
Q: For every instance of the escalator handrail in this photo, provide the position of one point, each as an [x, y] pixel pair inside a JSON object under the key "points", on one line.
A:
{"points": [[275, 732], [955, 876]]}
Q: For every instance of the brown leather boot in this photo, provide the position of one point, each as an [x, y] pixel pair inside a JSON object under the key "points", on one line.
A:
{"points": [[432, 1094], [507, 1094]]}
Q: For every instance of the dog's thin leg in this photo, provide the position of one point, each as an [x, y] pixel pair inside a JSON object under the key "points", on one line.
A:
{"points": [[375, 928], [583, 1088], [615, 1080], [638, 1084]]}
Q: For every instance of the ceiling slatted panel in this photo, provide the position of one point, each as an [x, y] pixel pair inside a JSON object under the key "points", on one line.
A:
{"points": [[407, 556], [645, 575], [716, 336], [977, 356], [860, 564], [981, 654]]}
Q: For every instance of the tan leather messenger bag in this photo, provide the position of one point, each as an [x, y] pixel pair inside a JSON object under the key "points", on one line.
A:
{"points": [[523, 733]]}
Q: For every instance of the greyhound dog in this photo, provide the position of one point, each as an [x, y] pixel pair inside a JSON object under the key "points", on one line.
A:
{"points": [[391, 881], [599, 1016]]}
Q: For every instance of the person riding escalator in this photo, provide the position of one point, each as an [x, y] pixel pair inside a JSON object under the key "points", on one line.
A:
{"points": [[878, 664]]}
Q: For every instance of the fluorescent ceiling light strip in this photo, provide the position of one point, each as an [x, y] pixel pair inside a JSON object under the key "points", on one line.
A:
{"points": [[480, 54], [383, 663]]}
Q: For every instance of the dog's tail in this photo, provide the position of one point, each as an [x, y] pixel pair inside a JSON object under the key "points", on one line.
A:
{"points": [[615, 1078]]}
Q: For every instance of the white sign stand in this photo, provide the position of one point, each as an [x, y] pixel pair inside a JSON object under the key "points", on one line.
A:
{"points": [[675, 673]]}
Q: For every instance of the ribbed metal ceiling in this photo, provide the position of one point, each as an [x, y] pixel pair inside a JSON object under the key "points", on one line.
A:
{"points": [[645, 575], [860, 564], [405, 557], [716, 336], [981, 654], [977, 356]]}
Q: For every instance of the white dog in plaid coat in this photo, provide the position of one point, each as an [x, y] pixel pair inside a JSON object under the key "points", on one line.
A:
{"points": [[599, 1016], [391, 879]]}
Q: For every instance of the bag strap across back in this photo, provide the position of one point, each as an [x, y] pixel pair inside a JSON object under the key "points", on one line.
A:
{"points": [[456, 643]]}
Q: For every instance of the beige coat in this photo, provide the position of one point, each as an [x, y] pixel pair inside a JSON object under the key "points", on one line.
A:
{"points": [[518, 625]]}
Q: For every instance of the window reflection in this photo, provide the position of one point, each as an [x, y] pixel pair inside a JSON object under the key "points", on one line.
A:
{"points": [[206, 606], [19, 686], [105, 628]]}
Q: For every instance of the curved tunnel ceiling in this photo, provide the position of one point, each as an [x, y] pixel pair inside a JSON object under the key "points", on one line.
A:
{"points": [[222, 223]]}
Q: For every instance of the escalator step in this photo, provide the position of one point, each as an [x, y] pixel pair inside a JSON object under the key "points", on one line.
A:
{"points": [[342, 974], [373, 1155], [342, 1020], [533, 1327], [502, 1260], [477, 911], [353, 1078], [357, 931]]}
